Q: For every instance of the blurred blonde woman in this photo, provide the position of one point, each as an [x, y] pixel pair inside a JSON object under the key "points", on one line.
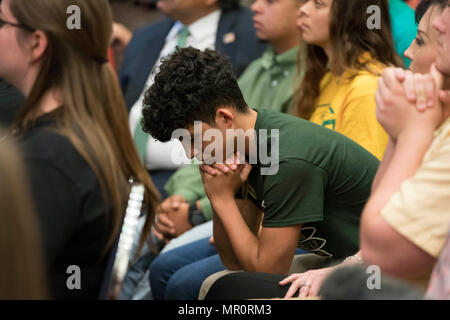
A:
{"points": [[22, 274], [74, 134]]}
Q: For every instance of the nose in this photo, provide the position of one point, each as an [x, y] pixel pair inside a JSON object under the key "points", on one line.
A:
{"points": [[304, 9], [409, 52], [299, 18], [256, 6]]}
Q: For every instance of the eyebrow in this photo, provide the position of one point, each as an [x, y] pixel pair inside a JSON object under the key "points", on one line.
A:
{"points": [[422, 33]]}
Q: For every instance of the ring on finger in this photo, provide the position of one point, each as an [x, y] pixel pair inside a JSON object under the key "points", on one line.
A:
{"points": [[306, 284]]}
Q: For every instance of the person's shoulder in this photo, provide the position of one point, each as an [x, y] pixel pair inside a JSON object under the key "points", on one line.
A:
{"points": [[365, 82], [47, 148], [45, 143], [287, 124], [155, 28], [248, 74], [241, 17]]}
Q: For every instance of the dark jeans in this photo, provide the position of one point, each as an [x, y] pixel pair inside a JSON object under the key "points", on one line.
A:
{"points": [[179, 273]]}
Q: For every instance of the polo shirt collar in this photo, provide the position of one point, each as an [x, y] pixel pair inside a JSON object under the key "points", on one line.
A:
{"points": [[270, 59]]}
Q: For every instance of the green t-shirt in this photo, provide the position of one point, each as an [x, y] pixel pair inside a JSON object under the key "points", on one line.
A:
{"points": [[323, 182]]}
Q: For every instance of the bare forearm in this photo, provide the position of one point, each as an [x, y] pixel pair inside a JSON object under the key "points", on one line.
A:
{"points": [[240, 233], [387, 158], [406, 158], [223, 245]]}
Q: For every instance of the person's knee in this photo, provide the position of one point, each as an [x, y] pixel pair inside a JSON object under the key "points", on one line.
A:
{"points": [[183, 286], [160, 274], [158, 267]]}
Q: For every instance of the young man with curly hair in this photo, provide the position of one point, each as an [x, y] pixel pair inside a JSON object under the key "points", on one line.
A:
{"points": [[313, 200], [223, 25]]}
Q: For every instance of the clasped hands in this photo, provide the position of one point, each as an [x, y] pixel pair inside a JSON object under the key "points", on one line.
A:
{"points": [[408, 103], [222, 181]]}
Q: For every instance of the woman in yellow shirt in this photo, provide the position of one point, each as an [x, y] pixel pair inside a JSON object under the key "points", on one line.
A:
{"points": [[345, 54]]}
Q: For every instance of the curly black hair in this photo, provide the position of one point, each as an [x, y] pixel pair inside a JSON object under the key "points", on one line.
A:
{"points": [[190, 86], [228, 5]]}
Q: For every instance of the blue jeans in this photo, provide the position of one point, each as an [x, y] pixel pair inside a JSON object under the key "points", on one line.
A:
{"points": [[179, 273]]}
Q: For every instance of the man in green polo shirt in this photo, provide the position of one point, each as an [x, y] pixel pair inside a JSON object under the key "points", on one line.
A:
{"points": [[312, 196], [269, 83]]}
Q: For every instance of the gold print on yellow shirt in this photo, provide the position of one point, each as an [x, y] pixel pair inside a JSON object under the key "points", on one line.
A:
{"points": [[327, 116], [312, 244]]}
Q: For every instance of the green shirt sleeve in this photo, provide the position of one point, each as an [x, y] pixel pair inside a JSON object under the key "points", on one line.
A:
{"points": [[207, 209], [295, 195], [186, 182]]}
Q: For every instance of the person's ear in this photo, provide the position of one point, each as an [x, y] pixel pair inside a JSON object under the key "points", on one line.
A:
{"points": [[38, 43], [225, 118]]}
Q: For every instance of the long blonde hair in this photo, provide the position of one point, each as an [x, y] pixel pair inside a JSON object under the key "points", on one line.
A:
{"points": [[93, 116], [22, 271]]}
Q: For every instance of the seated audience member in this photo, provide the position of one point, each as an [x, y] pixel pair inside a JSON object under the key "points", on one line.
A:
{"points": [[10, 101], [219, 24], [311, 196], [73, 132], [423, 50], [403, 27], [422, 53], [410, 197], [22, 272], [342, 64], [267, 83]]}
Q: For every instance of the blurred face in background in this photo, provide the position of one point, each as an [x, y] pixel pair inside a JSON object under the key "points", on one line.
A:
{"points": [[13, 66], [423, 49], [442, 25], [275, 20], [314, 22]]}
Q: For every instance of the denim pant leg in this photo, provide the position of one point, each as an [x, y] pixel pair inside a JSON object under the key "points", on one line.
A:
{"points": [[185, 284], [168, 263], [134, 276]]}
